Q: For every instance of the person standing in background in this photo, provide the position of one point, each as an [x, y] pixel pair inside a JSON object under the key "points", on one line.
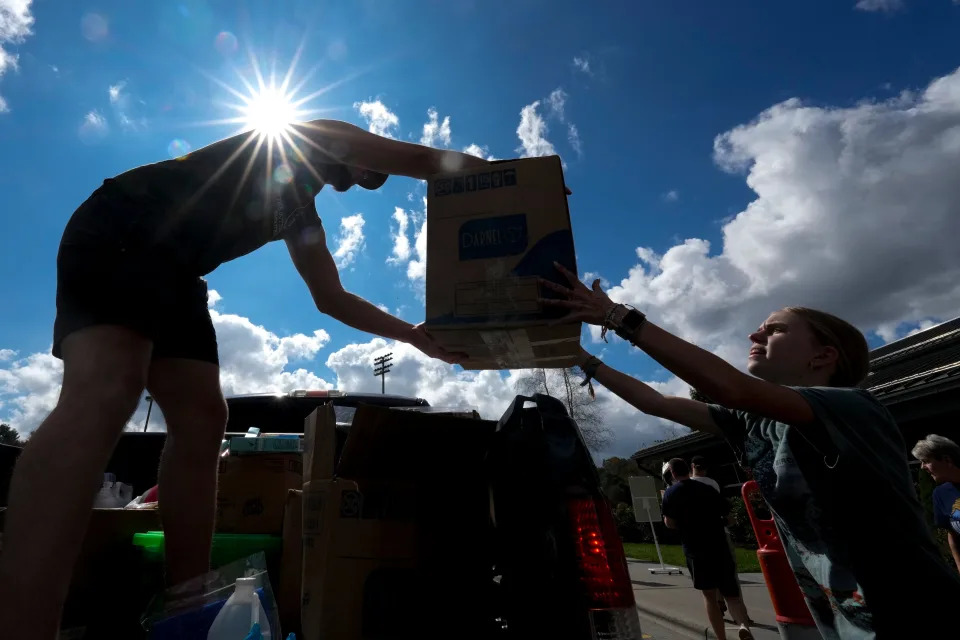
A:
{"points": [[940, 457], [700, 470], [700, 473], [698, 512]]}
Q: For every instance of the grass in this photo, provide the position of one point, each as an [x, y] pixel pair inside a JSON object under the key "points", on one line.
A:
{"points": [[673, 555]]}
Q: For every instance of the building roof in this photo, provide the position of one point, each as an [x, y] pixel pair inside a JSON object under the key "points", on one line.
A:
{"points": [[926, 362]]}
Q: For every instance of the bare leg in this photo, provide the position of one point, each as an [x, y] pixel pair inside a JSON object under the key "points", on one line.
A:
{"points": [[713, 614], [188, 392], [739, 611], [59, 472]]}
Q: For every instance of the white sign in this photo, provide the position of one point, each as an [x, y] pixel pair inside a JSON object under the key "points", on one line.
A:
{"points": [[646, 509], [643, 490]]}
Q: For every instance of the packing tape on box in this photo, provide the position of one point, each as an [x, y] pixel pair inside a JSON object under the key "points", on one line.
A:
{"points": [[508, 347]]}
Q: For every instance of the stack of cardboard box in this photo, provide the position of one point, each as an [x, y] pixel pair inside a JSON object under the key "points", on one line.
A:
{"points": [[385, 526]]}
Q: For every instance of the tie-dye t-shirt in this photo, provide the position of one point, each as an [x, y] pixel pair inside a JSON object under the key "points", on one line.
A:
{"points": [[843, 499]]}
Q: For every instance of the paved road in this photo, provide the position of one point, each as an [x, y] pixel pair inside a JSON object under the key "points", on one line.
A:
{"points": [[653, 631], [671, 609]]}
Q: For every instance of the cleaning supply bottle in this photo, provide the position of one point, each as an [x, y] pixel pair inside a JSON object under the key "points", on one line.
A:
{"points": [[238, 615]]}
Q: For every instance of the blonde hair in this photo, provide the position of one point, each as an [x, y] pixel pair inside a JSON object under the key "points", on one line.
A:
{"points": [[853, 354]]}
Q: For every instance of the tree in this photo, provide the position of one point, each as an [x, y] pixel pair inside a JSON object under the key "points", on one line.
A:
{"points": [[565, 386], [700, 397], [9, 435]]}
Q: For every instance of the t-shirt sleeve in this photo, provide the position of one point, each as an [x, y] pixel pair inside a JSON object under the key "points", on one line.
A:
{"points": [[301, 215], [852, 420], [733, 428], [941, 516]]}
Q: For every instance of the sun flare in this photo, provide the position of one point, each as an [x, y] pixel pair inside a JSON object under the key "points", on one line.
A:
{"points": [[269, 112]]}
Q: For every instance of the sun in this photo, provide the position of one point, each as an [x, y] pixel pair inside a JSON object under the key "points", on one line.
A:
{"points": [[269, 112]]}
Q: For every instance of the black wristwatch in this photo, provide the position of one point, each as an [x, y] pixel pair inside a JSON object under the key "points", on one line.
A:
{"points": [[626, 321]]}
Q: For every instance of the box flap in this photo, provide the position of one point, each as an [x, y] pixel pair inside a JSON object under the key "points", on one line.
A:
{"points": [[320, 443]]}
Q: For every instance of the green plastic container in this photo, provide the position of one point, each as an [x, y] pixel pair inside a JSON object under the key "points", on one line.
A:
{"points": [[227, 547]]}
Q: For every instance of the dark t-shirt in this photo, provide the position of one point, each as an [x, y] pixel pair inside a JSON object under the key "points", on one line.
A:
{"points": [[946, 506], [699, 512], [844, 503], [224, 200]]}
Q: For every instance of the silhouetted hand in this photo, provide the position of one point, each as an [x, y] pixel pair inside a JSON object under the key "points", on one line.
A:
{"points": [[590, 305]]}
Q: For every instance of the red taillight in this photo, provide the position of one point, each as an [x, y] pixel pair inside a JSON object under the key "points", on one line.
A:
{"points": [[603, 566]]}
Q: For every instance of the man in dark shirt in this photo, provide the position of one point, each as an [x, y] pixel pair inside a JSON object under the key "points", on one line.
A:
{"points": [[132, 314], [698, 513]]}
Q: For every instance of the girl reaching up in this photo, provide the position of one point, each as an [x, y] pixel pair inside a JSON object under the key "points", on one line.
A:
{"points": [[828, 457]]}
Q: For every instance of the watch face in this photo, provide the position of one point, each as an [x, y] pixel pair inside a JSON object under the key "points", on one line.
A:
{"points": [[633, 319]]}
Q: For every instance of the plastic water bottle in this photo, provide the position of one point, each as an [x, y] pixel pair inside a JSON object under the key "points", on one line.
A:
{"points": [[242, 610]]}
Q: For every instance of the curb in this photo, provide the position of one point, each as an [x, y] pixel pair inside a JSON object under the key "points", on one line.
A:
{"points": [[680, 625]]}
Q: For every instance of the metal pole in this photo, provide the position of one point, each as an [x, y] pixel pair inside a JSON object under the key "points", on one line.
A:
{"points": [[381, 366], [656, 543], [149, 409]]}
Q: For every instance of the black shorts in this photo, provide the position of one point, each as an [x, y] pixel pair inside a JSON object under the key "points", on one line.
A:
{"points": [[715, 570], [108, 273]]}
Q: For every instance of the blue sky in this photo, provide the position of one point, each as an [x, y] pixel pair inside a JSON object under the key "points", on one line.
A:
{"points": [[695, 123]]}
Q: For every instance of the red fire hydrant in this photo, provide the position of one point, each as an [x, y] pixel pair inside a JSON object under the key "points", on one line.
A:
{"points": [[793, 616]]}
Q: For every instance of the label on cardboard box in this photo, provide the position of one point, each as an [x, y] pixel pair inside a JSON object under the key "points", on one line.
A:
{"points": [[492, 236]]}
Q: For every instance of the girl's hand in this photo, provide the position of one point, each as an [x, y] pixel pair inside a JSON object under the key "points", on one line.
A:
{"points": [[585, 305]]}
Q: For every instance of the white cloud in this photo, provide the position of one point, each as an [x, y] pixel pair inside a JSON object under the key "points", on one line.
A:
{"points": [[557, 100], [476, 150], [252, 358], [671, 196], [415, 256], [533, 128], [855, 212], [124, 107], [7, 354], [582, 64], [417, 269], [15, 25], [93, 127], [434, 130], [350, 240], [879, 5], [213, 297], [401, 243], [115, 92], [380, 119], [573, 137], [532, 133]]}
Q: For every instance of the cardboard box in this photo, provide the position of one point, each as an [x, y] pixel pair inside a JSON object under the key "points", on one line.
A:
{"points": [[319, 443], [291, 564], [380, 533], [266, 444], [252, 491], [343, 546], [492, 236]]}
